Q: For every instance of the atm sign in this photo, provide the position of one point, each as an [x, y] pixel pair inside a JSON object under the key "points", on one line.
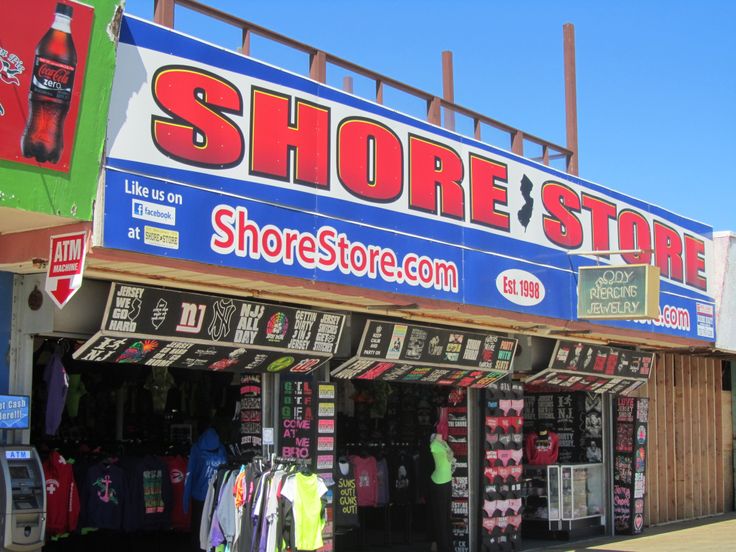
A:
{"points": [[17, 454]]}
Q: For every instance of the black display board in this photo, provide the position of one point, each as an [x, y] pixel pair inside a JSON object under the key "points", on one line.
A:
{"points": [[420, 354], [307, 432], [629, 464], [590, 408], [251, 416], [579, 366], [185, 354], [326, 454], [501, 445], [602, 361], [428, 346], [297, 419], [142, 310], [458, 440], [160, 327], [576, 418], [559, 413]]}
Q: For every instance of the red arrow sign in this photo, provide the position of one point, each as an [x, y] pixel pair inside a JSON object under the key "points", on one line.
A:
{"points": [[66, 265]]}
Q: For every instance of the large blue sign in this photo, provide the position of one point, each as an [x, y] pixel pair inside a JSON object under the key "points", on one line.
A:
{"points": [[216, 158]]}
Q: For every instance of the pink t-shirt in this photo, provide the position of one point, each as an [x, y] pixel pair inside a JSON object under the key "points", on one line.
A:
{"points": [[366, 480]]}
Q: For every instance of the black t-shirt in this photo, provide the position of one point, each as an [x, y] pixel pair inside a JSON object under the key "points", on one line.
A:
{"points": [[345, 499], [402, 478]]}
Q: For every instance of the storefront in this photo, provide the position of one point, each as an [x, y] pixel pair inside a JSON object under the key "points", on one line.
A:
{"points": [[322, 279]]}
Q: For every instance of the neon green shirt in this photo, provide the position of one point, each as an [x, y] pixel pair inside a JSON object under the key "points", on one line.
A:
{"points": [[443, 457], [305, 493]]}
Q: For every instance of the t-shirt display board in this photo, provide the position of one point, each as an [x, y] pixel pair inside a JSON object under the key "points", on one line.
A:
{"points": [[251, 421], [577, 366], [629, 464], [409, 353], [576, 419], [502, 456], [457, 427], [307, 432], [160, 327]]}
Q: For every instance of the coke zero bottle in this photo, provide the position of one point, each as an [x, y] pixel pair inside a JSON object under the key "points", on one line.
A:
{"points": [[51, 90]]}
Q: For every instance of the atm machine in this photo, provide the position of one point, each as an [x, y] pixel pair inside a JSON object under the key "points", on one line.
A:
{"points": [[22, 499]]}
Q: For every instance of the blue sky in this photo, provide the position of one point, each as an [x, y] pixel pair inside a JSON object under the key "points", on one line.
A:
{"points": [[656, 80]]}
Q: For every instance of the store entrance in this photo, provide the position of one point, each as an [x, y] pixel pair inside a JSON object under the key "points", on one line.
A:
{"points": [[390, 488], [564, 479], [115, 440]]}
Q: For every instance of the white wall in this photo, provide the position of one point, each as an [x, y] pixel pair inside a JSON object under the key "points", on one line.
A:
{"points": [[725, 289]]}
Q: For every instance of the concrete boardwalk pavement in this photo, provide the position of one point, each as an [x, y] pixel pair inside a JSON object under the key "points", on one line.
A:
{"points": [[711, 534]]}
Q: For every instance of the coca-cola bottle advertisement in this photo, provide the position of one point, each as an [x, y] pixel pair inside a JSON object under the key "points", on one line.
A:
{"points": [[43, 53]]}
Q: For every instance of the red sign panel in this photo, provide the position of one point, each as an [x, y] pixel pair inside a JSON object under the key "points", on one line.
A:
{"points": [[66, 265], [43, 54]]}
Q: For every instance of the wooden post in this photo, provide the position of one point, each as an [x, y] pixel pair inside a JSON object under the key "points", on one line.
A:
{"points": [[671, 444], [681, 364], [571, 102], [699, 442], [448, 88], [318, 66], [347, 84], [379, 92], [690, 431], [245, 49], [661, 451], [163, 12], [652, 493], [517, 142], [433, 111]]}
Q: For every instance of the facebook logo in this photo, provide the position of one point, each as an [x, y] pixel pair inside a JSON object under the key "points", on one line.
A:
{"points": [[153, 212]]}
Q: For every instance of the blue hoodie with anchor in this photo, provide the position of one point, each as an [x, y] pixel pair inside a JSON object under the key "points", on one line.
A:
{"points": [[206, 456]]}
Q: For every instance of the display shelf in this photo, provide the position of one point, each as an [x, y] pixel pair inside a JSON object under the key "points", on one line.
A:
{"points": [[572, 504]]}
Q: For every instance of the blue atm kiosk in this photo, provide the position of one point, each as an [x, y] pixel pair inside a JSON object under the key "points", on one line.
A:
{"points": [[22, 485], [22, 499]]}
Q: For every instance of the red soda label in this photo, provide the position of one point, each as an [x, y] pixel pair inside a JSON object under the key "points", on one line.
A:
{"points": [[52, 78]]}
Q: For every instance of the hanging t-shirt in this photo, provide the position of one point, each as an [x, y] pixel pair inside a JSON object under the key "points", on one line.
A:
{"points": [[272, 507], [366, 479], [344, 401], [382, 492], [177, 468], [345, 499], [57, 385], [402, 478], [159, 383], [443, 458], [305, 492], [62, 497], [542, 449], [76, 391], [104, 494]]}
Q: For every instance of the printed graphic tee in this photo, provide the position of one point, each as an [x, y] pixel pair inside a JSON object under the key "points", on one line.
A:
{"points": [[542, 449], [366, 480], [177, 471], [345, 498]]}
